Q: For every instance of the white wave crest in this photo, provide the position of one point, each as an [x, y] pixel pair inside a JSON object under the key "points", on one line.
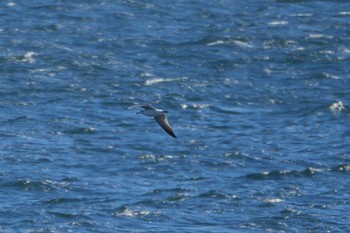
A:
{"points": [[337, 107], [229, 42], [275, 23], [153, 81], [274, 200], [29, 57], [194, 106], [344, 13]]}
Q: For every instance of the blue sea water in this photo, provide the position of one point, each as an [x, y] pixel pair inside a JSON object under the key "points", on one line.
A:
{"points": [[257, 93]]}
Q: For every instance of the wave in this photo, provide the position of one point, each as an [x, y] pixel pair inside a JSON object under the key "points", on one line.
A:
{"points": [[27, 57], [133, 212], [341, 168], [194, 106], [274, 23], [45, 185], [150, 82], [308, 172], [82, 130], [63, 200], [336, 107], [217, 194], [239, 43]]}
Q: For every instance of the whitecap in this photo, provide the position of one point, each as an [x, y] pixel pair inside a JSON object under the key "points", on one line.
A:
{"points": [[327, 52], [184, 106], [318, 36], [345, 50], [265, 173], [40, 70], [200, 106], [153, 81], [134, 213], [242, 44], [304, 15], [29, 57], [148, 156], [236, 42], [268, 71], [150, 82], [273, 200], [128, 212], [327, 75], [344, 168], [11, 4], [146, 74], [313, 170], [344, 13], [216, 43], [336, 107], [275, 23], [194, 106]]}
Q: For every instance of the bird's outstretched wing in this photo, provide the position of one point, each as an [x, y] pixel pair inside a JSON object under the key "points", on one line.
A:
{"points": [[162, 120], [146, 107]]}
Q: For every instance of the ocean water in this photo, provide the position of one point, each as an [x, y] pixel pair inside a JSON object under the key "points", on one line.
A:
{"points": [[257, 94]]}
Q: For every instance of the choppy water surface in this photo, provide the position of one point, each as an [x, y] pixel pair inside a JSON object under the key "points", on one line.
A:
{"points": [[257, 93]]}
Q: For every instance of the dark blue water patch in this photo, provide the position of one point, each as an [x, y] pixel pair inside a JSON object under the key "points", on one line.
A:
{"points": [[308, 172], [80, 131], [217, 194], [58, 201]]}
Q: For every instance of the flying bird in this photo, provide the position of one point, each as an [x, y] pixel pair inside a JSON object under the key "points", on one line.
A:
{"points": [[159, 116]]}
